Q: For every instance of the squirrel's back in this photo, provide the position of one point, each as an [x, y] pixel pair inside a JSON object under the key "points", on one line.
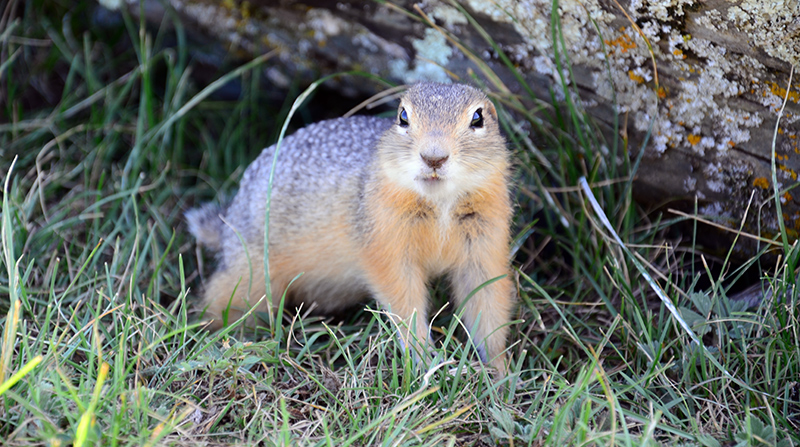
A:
{"points": [[317, 162]]}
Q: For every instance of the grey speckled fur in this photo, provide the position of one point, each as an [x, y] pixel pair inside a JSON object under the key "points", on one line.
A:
{"points": [[314, 164]]}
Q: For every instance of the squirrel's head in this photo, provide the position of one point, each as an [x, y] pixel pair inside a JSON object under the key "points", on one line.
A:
{"points": [[445, 141]]}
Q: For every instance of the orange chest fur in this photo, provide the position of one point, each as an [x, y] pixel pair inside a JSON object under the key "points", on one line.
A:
{"points": [[407, 226]]}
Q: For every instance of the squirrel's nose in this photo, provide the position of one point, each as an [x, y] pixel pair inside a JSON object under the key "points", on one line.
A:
{"points": [[434, 162]]}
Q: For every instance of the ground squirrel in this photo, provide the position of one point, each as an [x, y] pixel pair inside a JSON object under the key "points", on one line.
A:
{"points": [[367, 206]]}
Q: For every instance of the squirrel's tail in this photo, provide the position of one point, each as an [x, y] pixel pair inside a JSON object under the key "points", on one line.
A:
{"points": [[206, 225]]}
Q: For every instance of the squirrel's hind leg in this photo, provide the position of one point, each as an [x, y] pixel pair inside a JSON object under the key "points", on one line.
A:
{"points": [[232, 291]]}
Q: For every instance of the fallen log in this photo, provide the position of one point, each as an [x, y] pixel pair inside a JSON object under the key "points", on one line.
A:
{"points": [[702, 82]]}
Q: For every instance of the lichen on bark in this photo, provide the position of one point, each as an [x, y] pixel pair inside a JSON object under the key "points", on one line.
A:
{"points": [[709, 76]]}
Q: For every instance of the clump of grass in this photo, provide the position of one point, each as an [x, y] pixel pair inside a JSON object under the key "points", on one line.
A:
{"points": [[99, 346]]}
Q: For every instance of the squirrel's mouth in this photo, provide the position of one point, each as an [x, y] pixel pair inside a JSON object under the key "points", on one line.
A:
{"points": [[431, 178]]}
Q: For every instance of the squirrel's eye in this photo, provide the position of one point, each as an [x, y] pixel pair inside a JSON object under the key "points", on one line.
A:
{"points": [[477, 119], [403, 118]]}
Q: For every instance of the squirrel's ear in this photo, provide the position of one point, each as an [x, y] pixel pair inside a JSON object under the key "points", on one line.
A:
{"points": [[490, 110]]}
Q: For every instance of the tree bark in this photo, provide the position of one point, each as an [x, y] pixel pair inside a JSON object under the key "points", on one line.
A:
{"points": [[706, 77]]}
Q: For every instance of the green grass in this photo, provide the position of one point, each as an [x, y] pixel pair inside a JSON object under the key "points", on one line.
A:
{"points": [[99, 274]]}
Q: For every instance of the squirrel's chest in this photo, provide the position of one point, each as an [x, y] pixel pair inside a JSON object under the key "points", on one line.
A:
{"points": [[439, 236], [446, 219], [435, 235]]}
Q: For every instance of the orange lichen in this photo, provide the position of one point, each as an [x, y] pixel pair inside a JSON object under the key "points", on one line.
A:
{"points": [[761, 182], [789, 171], [624, 42], [693, 139], [635, 77], [787, 196], [661, 91], [779, 91]]}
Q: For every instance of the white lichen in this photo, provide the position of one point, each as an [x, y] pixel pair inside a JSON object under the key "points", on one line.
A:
{"points": [[324, 24], [713, 176], [714, 209], [448, 15], [689, 184], [772, 26], [433, 52]]}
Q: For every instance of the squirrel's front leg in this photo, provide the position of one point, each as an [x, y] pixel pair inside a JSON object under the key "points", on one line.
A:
{"points": [[399, 287], [488, 311]]}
